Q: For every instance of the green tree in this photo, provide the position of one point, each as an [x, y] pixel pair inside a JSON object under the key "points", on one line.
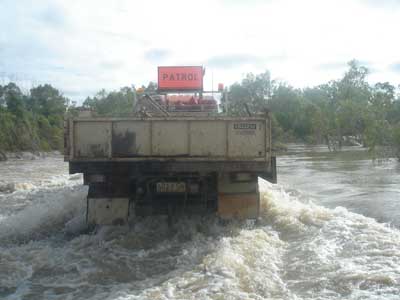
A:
{"points": [[251, 95], [46, 100], [396, 140], [14, 99], [31, 122], [116, 103]]}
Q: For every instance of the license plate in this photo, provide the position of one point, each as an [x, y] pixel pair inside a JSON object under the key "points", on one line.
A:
{"points": [[171, 187]]}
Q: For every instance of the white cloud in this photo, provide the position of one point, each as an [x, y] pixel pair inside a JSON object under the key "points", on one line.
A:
{"points": [[82, 46]]}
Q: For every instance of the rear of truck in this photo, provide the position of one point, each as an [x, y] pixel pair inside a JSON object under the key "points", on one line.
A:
{"points": [[170, 165]]}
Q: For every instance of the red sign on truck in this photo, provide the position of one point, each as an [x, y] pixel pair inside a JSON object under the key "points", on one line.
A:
{"points": [[184, 78]]}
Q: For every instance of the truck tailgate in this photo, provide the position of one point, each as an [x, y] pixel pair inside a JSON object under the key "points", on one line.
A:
{"points": [[168, 138]]}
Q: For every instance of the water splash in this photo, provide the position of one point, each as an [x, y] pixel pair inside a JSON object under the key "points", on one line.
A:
{"points": [[298, 250]]}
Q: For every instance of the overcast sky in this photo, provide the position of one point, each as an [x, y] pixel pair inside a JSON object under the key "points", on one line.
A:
{"points": [[82, 46]]}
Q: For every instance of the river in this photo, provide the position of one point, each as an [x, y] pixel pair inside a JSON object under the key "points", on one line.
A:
{"points": [[328, 230]]}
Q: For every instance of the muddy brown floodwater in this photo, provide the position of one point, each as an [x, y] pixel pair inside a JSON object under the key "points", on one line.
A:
{"points": [[328, 230]]}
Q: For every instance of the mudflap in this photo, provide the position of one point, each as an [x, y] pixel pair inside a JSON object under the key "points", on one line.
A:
{"points": [[107, 211], [239, 206], [238, 199]]}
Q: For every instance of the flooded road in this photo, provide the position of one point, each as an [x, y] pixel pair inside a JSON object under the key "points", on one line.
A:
{"points": [[328, 230], [348, 178]]}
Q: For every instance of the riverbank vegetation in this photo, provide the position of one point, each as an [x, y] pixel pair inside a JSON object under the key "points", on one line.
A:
{"points": [[31, 122], [347, 110], [344, 111]]}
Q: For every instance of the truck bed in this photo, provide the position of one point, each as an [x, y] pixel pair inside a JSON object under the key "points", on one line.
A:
{"points": [[189, 139]]}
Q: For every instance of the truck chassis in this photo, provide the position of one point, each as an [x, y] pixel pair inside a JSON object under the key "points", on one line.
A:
{"points": [[150, 166]]}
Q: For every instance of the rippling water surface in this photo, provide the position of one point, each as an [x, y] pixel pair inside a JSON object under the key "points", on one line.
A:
{"points": [[328, 230]]}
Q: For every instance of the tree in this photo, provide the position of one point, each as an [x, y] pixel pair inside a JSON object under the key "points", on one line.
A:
{"points": [[14, 99], [46, 100], [396, 140], [31, 122], [116, 103], [252, 94], [342, 110], [2, 98]]}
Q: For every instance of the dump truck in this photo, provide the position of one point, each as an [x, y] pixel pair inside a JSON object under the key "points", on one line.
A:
{"points": [[166, 162]]}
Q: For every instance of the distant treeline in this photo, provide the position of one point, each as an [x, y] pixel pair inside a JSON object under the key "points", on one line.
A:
{"points": [[32, 122], [347, 110]]}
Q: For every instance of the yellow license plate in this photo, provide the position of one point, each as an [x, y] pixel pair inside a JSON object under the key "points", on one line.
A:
{"points": [[171, 187]]}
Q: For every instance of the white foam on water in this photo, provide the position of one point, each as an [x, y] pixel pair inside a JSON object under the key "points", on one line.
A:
{"points": [[243, 266], [333, 253], [12, 187], [43, 209], [297, 251], [53, 181]]}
